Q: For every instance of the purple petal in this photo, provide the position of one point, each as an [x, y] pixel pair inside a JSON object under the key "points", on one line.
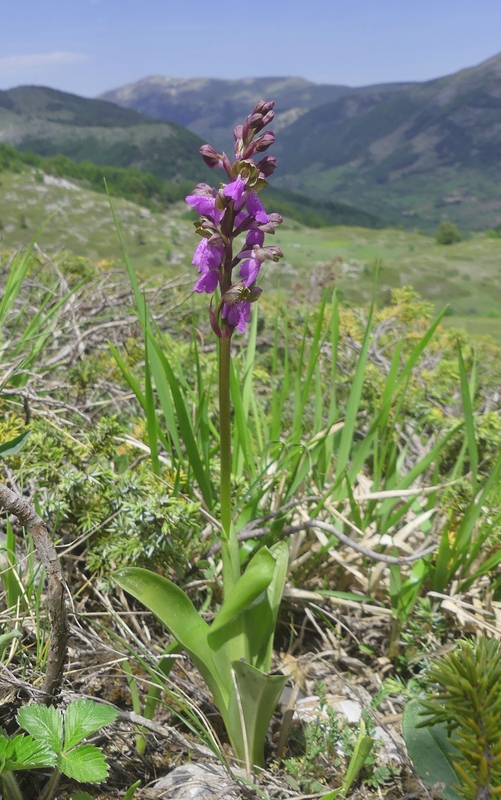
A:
{"points": [[238, 314], [235, 189], [202, 203], [208, 282], [254, 237], [249, 270], [206, 256], [256, 208]]}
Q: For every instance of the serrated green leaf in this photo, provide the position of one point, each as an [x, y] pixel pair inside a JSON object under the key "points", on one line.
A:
{"points": [[85, 764], [25, 752], [83, 718], [44, 723]]}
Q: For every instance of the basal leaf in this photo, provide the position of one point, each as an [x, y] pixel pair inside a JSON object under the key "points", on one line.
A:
{"points": [[83, 718], [261, 617], [44, 723], [176, 611], [258, 696], [430, 751], [256, 578], [85, 764]]}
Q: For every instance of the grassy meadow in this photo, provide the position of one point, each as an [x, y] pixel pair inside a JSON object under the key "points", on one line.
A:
{"points": [[465, 276], [330, 523]]}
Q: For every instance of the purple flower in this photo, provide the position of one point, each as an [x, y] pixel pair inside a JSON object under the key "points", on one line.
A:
{"points": [[249, 270], [235, 190], [203, 200], [238, 314], [208, 282], [256, 208], [254, 237], [208, 259], [206, 256]]}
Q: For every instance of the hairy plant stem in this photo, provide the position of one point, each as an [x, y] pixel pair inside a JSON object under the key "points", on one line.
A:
{"points": [[9, 787], [229, 541], [51, 787]]}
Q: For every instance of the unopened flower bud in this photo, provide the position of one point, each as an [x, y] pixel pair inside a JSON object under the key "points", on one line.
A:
{"points": [[226, 164], [267, 165], [277, 219], [270, 253], [264, 141], [255, 120], [210, 155], [263, 106], [269, 117], [237, 132]]}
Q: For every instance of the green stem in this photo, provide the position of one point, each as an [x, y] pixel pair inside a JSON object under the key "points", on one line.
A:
{"points": [[48, 792], [9, 786], [229, 544]]}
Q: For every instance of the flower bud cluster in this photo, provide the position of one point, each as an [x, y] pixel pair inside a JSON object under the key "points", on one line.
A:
{"points": [[233, 210]]}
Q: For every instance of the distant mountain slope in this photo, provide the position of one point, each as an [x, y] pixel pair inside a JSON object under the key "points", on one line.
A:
{"points": [[50, 122], [430, 150], [413, 153], [211, 107]]}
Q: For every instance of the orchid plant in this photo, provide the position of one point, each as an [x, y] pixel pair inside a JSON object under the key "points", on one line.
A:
{"points": [[234, 653]]}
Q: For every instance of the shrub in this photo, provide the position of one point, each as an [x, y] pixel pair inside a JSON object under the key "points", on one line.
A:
{"points": [[447, 233]]}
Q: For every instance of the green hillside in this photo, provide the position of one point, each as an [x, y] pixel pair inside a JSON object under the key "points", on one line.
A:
{"points": [[50, 122], [465, 276]]}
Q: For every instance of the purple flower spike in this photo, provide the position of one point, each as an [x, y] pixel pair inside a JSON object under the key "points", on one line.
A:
{"points": [[230, 211]]}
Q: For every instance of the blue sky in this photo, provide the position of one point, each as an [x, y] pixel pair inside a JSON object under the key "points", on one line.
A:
{"points": [[89, 46]]}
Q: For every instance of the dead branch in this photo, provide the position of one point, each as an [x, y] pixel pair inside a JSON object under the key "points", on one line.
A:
{"points": [[59, 629]]}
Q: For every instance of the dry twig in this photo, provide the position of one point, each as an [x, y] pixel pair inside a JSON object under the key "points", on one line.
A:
{"points": [[59, 629]]}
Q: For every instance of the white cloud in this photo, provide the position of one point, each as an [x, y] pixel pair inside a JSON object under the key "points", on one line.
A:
{"points": [[13, 64]]}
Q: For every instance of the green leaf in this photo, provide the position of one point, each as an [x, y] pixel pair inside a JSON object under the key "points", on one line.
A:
{"points": [[261, 617], [131, 791], [256, 578], [25, 752], [176, 611], [85, 717], [14, 445], [361, 752], [430, 751], [85, 764], [82, 796], [44, 723], [467, 393], [258, 695]]}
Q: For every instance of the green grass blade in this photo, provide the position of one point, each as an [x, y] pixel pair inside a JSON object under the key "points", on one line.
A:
{"points": [[467, 398]]}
